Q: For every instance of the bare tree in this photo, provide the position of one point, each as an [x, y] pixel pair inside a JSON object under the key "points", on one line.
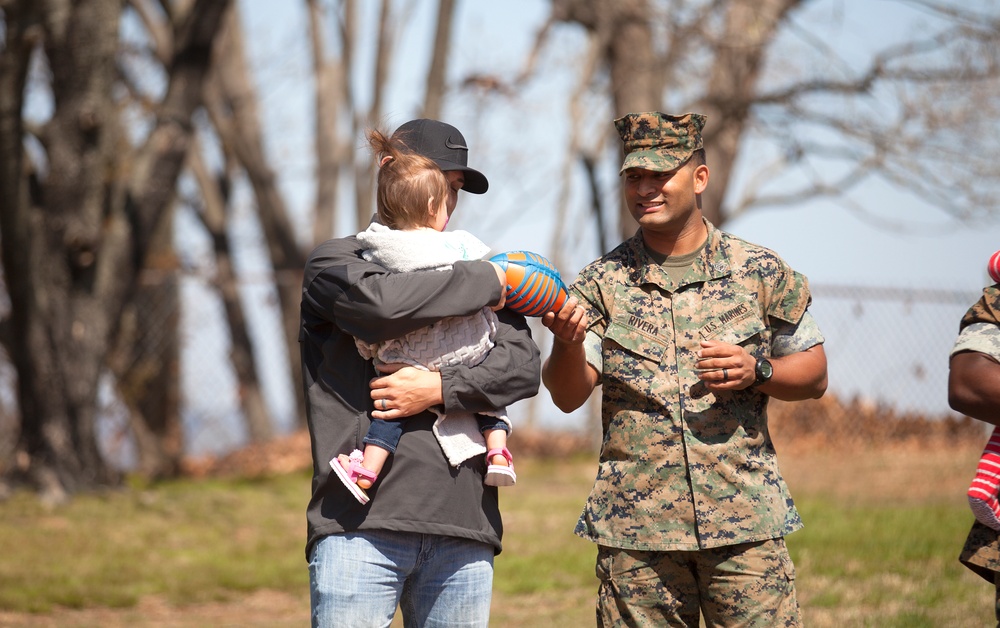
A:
{"points": [[915, 114], [145, 358], [79, 218], [749, 26], [212, 206], [233, 109], [438, 74], [331, 76], [364, 172]]}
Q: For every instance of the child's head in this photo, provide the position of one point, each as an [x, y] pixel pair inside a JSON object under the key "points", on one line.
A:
{"points": [[412, 190]]}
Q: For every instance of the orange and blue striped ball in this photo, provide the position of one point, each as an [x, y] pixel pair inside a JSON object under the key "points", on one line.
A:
{"points": [[534, 286]]}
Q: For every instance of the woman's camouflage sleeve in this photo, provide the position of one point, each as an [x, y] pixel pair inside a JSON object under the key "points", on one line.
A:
{"points": [[985, 310]]}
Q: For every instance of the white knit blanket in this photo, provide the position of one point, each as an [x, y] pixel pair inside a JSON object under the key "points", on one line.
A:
{"points": [[421, 249], [457, 340]]}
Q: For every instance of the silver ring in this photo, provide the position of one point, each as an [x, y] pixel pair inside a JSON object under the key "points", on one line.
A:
{"points": [[725, 375], [383, 404]]}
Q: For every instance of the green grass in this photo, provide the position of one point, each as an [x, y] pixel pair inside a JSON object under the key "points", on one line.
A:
{"points": [[187, 541], [891, 565], [866, 563]]}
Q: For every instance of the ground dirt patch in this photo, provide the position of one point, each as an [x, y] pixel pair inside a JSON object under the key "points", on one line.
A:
{"points": [[271, 609]]}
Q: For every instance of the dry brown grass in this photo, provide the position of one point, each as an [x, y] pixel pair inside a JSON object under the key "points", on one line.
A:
{"points": [[855, 452], [801, 429]]}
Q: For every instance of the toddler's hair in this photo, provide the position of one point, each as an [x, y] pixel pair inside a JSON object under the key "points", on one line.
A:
{"points": [[409, 184]]}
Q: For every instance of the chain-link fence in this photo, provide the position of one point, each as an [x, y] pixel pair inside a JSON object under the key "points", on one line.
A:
{"points": [[890, 346], [887, 349]]}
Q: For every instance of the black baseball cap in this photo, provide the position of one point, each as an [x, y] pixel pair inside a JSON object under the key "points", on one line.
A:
{"points": [[445, 145]]}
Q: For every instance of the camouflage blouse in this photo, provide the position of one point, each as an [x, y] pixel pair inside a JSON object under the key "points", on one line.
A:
{"points": [[980, 331], [985, 310], [682, 468], [980, 327]]}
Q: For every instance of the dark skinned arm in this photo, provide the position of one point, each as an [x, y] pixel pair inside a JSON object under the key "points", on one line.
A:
{"points": [[974, 386]]}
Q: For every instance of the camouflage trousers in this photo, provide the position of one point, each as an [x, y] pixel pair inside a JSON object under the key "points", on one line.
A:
{"points": [[981, 554], [996, 597], [751, 584]]}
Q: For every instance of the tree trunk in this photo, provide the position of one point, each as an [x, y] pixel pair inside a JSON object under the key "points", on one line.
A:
{"points": [[63, 269], [72, 250], [18, 230], [146, 363], [330, 101], [625, 36], [437, 74], [364, 172]]}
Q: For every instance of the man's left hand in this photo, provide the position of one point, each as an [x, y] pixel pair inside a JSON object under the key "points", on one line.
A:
{"points": [[404, 391], [724, 366]]}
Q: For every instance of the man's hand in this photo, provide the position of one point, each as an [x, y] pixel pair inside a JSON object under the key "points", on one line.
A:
{"points": [[569, 324], [797, 376], [404, 391], [724, 366], [566, 373]]}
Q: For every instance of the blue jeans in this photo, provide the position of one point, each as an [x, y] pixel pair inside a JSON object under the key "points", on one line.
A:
{"points": [[358, 579]]}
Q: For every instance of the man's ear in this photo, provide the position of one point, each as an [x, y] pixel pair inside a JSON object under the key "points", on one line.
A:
{"points": [[700, 178]]}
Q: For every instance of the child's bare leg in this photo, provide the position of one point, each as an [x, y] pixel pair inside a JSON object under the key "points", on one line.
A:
{"points": [[374, 460], [496, 439]]}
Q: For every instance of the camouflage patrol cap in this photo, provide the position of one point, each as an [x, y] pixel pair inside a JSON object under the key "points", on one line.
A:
{"points": [[658, 141]]}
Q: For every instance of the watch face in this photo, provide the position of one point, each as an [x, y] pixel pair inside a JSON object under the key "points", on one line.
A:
{"points": [[764, 370]]}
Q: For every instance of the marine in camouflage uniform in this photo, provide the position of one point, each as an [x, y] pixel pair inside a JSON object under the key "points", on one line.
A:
{"points": [[979, 332], [689, 508]]}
